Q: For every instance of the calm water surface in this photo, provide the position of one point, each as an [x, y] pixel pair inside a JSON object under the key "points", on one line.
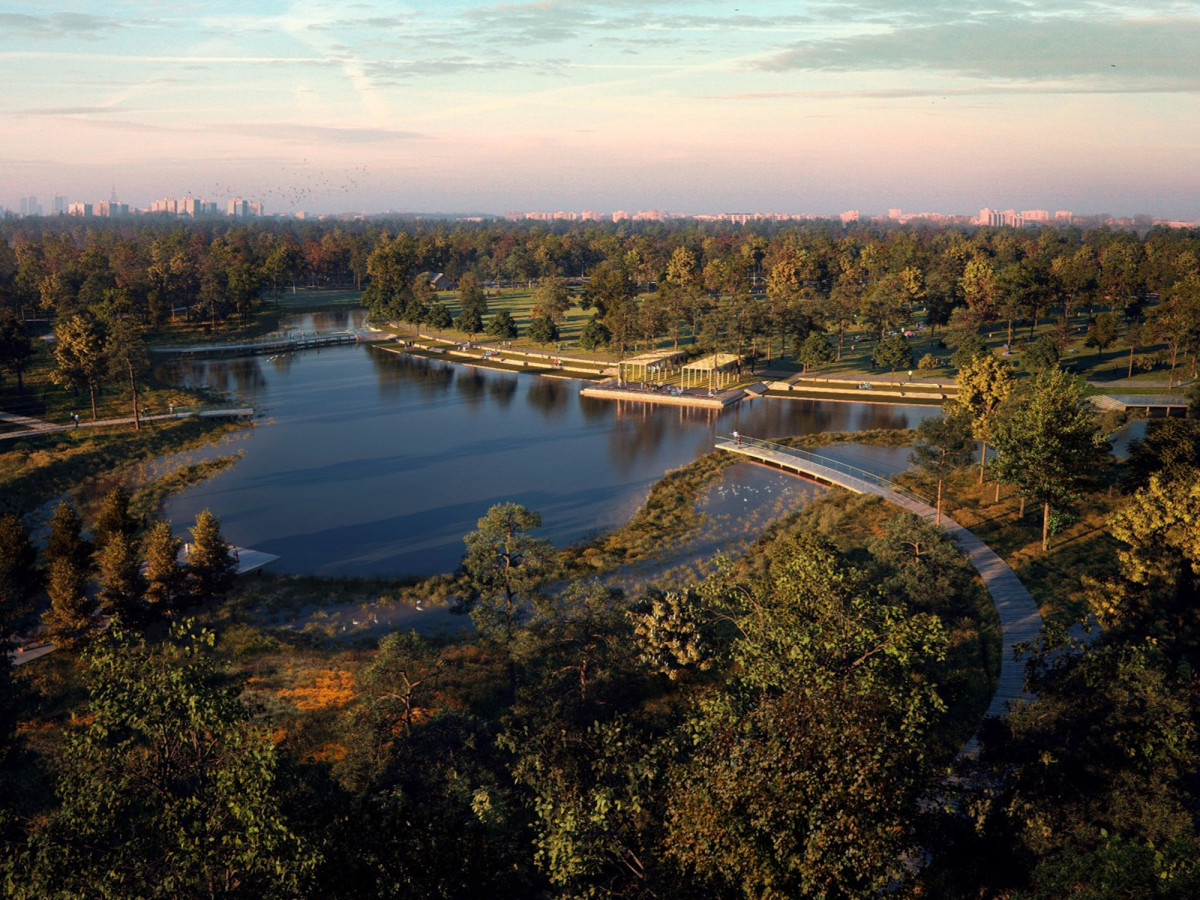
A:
{"points": [[366, 462]]}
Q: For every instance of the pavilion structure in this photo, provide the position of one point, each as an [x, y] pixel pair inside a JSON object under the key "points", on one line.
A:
{"points": [[655, 366], [714, 372]]}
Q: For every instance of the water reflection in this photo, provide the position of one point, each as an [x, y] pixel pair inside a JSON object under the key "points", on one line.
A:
{"points": [[378, 463], [396, 372], [350, 318], [503, 390], [471, 385], [549, 397]]}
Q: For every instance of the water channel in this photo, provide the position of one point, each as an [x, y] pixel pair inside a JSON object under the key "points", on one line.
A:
{"points": [[366, 462]]}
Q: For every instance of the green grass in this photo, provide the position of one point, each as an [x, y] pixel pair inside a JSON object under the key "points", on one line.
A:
{"points": [[312, 299]]}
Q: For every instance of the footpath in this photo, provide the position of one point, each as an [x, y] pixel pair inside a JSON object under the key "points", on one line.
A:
{"points": [[30, 427]]}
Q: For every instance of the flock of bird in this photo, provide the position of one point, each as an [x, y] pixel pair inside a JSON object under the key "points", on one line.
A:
{"points": [[298, 187]]}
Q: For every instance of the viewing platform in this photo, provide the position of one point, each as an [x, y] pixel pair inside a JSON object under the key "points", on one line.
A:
{"points": [[669, 395]]}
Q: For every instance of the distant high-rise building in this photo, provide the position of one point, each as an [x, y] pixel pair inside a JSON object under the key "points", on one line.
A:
{"points": [[79, 209], [850, 215], [30, 206], [60, 205], [1035, 215], [895, 213], [1063, 215], [237, 208], [620, 215]]}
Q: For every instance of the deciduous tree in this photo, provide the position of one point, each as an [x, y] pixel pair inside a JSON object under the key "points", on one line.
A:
{"points": [[983, 384], [1047, 441], [943, 444], [79, 355], [166, 788]]}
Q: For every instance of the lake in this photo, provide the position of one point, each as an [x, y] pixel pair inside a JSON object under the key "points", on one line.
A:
{"points": [[367, 462]]}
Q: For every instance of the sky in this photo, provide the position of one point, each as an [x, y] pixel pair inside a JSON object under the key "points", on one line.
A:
{"points": [[704, 106]]}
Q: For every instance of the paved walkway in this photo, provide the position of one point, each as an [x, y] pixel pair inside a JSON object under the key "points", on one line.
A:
{"points": [[1020, 621], [38, 426]]}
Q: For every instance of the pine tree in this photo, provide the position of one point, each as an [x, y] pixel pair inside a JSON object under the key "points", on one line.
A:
{"points": [[66, 541], [115, 517], [69, 619], [165, 589], [18, 575], [210, 564], [121, 581]]}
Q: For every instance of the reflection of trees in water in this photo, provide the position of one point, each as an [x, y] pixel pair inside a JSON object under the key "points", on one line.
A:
{"points": [[281, 362], [326, 320], [243, 375], [548, 396], [502, 389], [395, 370], [594, 410], [633, 437], [471, 385], [771, 417], [785, 417], [247, 375], [878, 415]]}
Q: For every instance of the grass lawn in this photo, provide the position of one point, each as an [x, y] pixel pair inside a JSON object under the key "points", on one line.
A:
{"points": [[1083, 547]]}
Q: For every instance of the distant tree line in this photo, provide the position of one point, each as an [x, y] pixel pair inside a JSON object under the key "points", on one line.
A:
{"points": [[753, 290]]}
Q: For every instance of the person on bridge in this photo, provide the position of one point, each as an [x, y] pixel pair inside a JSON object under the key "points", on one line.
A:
{"points": [[737, 437]]}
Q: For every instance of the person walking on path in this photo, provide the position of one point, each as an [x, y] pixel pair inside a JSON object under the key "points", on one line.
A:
{"points": [[737, 437]]}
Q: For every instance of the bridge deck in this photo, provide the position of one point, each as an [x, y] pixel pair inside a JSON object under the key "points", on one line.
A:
{"points": [[1020, 620]]}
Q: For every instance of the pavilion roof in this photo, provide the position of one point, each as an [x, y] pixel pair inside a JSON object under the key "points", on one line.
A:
{"points": [[714, 361]]}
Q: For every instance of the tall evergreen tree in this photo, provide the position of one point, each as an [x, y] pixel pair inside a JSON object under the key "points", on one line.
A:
{"points": [[121, 581], [68, 621], [165, 577], [114, 517], [19, 580], [210, 564], [66, 541]]}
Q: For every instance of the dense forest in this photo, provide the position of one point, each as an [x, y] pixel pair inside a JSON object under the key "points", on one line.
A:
{"points": [[744, 289], [787, 726]]}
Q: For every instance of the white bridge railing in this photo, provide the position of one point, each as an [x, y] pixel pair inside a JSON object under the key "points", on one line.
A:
{"points": [[744, 443]]}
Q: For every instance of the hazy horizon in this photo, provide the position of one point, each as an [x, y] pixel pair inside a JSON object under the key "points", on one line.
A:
{"points": [[696, 107]]}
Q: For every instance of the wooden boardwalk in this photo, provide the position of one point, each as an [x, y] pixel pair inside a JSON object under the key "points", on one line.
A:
{"points": [[279, 344], [1020, 621]]}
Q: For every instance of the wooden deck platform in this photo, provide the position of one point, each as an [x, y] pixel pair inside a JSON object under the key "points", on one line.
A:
{"points": [[1020, 620], [693, 397]]}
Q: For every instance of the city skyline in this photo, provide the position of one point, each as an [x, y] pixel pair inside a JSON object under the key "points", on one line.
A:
{"points": [[464, 107]]}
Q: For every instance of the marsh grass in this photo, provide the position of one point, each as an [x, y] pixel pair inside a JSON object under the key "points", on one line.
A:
{"points": [[39, 468]]}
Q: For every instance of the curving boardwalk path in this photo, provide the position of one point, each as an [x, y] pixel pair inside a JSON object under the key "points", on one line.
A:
{"points": [[1020, 621]]}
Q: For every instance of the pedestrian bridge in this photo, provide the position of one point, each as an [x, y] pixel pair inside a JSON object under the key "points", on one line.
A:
{"points": [[1020, 620]]}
